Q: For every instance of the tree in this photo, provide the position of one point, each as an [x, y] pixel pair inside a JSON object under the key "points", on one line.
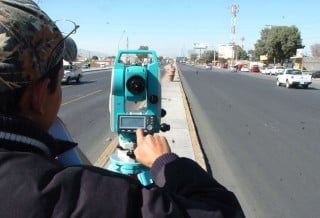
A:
{"points": [[160, 59], [278, 43], [193, 57], [315, 50], [94, 57], [240, 53], [143, 47], [143, 56], [208, 56], [252, 56], [223, 61]]}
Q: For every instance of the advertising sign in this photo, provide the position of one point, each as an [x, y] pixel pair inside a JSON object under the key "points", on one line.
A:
{"points": [[200, 45], [225, 51]]}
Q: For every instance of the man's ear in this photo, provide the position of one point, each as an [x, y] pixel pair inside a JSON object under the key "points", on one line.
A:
{"points": [[39, 94]]}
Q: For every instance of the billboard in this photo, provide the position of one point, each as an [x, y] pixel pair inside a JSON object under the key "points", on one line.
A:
{"points": [[200, 45], [226, 51], [299, 53], [263, 57]]}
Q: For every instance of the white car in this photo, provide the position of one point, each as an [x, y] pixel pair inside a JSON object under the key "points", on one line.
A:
{"points": [[208, 66], [244, 69], [233, 68], [264, 71], [276, 70]]}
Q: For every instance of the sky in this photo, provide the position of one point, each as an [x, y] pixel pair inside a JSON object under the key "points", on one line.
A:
{"points": [[171, 27]]}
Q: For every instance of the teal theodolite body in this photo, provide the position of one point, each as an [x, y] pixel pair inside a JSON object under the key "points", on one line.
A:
{"points": [[135, 102]]}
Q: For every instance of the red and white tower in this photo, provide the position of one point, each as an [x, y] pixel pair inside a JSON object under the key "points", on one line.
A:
{"points": [[234, 13]]}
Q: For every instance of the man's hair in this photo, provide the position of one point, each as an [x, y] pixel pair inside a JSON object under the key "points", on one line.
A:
{"points": [[11, 98]]}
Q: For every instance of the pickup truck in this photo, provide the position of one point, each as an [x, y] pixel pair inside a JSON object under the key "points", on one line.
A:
{"points": [[293, 78], [71, 72]]}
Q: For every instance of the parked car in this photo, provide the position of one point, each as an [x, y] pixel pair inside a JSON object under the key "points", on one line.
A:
{"points": [[85, 66], [275, 70], [208, 66], [233, 68], [315, 74], [255, 69], [244, 69], [267, 70], [238, 66]]}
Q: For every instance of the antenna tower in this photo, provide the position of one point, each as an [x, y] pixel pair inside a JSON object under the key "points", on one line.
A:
{"points": [[234, 13]]}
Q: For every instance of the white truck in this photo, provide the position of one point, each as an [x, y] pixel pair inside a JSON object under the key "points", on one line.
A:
{"points": [[293, 77], [71, 72]]}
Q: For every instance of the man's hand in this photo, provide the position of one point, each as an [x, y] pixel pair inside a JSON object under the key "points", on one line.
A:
{"points": [[150, 147]]}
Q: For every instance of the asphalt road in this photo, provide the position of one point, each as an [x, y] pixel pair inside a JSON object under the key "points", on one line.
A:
{"points": [[260, 140], [85, 112]]}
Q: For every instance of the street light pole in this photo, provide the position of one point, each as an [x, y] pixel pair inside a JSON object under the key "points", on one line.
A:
{"points": [[214, 54], [123, 32], [127, 43]]}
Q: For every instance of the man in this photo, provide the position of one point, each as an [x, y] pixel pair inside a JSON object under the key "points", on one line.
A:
{"points": [[34, 184]]}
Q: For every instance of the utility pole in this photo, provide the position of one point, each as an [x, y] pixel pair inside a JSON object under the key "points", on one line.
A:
{"points": [[242, 40], [127, 43], [123, 32]]}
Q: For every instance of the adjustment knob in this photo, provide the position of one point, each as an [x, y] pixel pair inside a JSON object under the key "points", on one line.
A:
{"points": [[153, 99], [164, 127], [163, 112]]}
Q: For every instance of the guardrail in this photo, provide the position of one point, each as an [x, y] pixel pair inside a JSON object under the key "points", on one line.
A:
{"points": [[96, 69]]}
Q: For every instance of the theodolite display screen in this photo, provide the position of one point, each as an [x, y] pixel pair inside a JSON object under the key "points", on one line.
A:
{"points": [[132, 122]]}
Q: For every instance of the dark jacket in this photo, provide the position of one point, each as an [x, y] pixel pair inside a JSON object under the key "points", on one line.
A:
{"points": [[34, 184]]}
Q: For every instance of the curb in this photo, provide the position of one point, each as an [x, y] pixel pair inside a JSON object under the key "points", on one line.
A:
{"points": [[192, 130], [104, 157]]}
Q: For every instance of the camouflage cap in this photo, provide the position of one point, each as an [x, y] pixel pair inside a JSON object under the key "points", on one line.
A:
{"points": [[30, 43]]}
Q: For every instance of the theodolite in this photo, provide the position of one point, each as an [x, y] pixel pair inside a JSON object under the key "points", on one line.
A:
{"points": [[134, 102]]}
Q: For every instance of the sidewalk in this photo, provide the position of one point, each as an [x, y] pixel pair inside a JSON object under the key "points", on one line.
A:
{"points": [[182, 136]]}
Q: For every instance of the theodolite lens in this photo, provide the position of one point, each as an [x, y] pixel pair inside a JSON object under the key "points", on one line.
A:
{"points": [[136, 85]]}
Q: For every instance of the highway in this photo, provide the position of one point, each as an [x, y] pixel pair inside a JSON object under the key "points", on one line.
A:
{"points": [[84, 110], [260, 140]]}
